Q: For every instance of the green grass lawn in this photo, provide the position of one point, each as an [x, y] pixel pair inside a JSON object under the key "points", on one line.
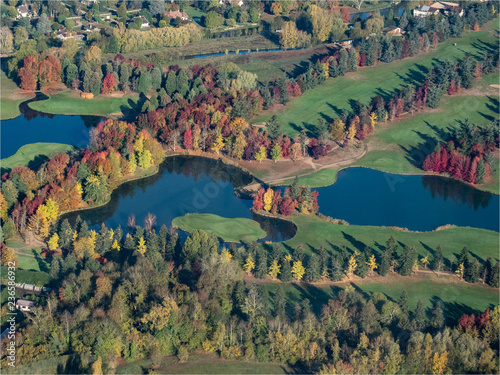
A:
{"points": [[30, 263], [314, 233], [32, 151], [10, 98], [230, 230], [65, 103], [326, 100], [457, 297], [203, 363]]}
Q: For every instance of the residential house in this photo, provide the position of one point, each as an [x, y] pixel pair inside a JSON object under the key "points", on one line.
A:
{"points": [[93, 26], [172, 15], [25, 305], [443, 7], [393, 31], [23, 11], [231, 2], [144, 21]]}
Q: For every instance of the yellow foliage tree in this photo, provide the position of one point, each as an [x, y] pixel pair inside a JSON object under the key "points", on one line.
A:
{"points": [[141, 248], [226, 255], [351, 267], [424, 261], [249, 264], [351, 132], [218, 145], [322, 23], [439, 362], [82, 246], [337, 129], [415, 266], [53, 242], [372, 264], [460, 271], [158, 317], [268, 199], [276, 8], [115, 246], [261, 154], [373, 118], [298, 270], [3, 208], [238, 125], [8, 255], [274, 269], [97, 367]]}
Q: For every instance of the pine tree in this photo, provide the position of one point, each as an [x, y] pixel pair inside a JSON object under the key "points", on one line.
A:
{"points": [[419, 316], [65, 234], [280, 302], [55, 269], [336, 268], [298, 253], [463, 258], [274, 127], [495, 274], [261, 270], [437, 318], [313, 270], [437, 260], [325, 262], [403, 303], [385, 262], [473, 271], [286, 270], [407, 261]]}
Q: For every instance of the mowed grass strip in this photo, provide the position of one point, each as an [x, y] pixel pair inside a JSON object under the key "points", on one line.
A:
{"points": [[314, 233], [30, 152], [67, 103], [336, 94], [457, 297], [229, 230]]}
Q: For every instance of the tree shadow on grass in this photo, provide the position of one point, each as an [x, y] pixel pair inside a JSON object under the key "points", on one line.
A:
{"points": [[73, 365], [360, 246], [318, 297], [454, 310]]}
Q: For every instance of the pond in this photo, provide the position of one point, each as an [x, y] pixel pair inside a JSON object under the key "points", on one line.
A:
{"points": [[184, 184], [365, 196], [33, 126]]}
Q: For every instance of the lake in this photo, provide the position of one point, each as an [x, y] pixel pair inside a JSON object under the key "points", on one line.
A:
{"points": [[365, 196], [33, 126]]}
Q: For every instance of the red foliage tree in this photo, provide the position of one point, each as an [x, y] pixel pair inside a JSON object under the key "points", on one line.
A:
{"points": [[276, 201], [258, 202], [467, 322], [188, 139], [296, 90], [108, 84], [428, 164], [453, 88], [287, 206], [471, 176], [29, 73]]}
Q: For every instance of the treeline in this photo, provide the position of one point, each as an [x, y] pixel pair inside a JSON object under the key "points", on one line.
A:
{"points": [[468, 155], [154, 297]]}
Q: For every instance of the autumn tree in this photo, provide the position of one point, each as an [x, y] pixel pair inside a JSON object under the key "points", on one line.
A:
{"points": [[108, 84], [298, 270]]}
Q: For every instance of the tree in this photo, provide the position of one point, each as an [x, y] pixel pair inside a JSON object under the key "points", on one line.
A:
{"points": [[274, 127], [437, 318], [249, 264], [473, 271], [313, 272], [97, 367], [276, 152], [122, 12], [261, 270], [43, 25], [144, 84], [261, 154], [408, 259], [6, 38], [274, 269], [268, 199], [372, 264], [108, 84], [212, 20], [157, 7], [291, 37], [218, 144], [53, 242], [351, 266], [337, 129], [439, 362], [438, 260], [141, 246], [298, 270]]}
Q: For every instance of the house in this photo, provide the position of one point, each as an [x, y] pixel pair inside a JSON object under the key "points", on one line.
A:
{"points": [[172, 15], [93, 26], [25, 305], [144, 21], [63, 35], [443, 7], [393, 31], [231, 2], [23, 11]]}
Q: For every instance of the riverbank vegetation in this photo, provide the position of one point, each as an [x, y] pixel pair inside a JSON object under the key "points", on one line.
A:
{"points": [[34, 154]]}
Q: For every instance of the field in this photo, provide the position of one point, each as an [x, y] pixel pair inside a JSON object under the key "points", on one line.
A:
{"points": [[314, 233], [68, 102], [457, 297], [336, 94], [229, 230], [401, 146], [31, 153], [11, 97], [202, 364]]}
